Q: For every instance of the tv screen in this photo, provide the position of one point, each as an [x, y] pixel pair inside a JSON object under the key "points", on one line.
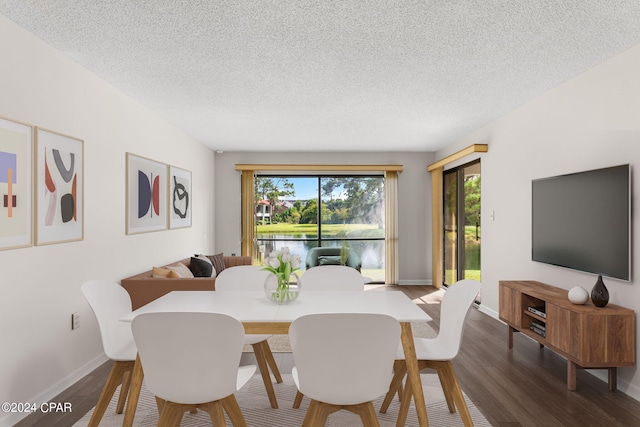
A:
{"points": [[582, 221]]}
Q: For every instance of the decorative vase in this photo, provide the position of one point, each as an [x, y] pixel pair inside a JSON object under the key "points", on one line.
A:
{"points": [[280, 290], [578, 295], [599, 293]]}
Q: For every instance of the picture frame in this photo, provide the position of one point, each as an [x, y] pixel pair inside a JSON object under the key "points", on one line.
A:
{"points": [[146, 195], [59, 187], [180, 198], [16, 184]]}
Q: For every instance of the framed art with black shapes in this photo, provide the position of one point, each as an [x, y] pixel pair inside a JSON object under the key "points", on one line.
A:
{"points": [[146, 195], [180, 198], [59, 185]]}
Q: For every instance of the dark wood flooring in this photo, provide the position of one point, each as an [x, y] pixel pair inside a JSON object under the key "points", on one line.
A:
{"points": [[525, 386]]}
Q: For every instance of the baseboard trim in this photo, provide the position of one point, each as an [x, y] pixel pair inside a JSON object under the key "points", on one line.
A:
{"points": [[48, 395]]}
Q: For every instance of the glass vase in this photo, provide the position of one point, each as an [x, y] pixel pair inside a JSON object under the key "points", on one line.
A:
{"points": [[280, 289]]}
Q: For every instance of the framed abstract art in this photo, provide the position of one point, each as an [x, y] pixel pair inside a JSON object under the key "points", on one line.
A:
{"points": [[179, 198], [59, 187], [16, 184], [146, 195]]}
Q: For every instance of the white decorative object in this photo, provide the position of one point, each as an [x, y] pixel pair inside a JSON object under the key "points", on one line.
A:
{"points": [[282, 264], [578, 295]]}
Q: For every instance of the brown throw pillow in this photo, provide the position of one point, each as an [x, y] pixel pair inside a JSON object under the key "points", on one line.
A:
{"points": [[217, 261]]}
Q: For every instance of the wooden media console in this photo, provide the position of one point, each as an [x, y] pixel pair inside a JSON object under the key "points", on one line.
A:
{"points": [[587, 336]]}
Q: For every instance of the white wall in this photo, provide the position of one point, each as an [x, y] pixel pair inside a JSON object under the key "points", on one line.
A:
{"points": [[40, 286], [589, 122], [414, 198]]}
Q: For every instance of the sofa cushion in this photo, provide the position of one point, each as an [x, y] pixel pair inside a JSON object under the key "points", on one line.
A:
{"points": [[201, 267], [218, 262], [329, 260], [182, 270]]}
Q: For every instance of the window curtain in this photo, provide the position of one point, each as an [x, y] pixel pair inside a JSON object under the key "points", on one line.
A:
{"points": [[248, 220], [391, 275]]}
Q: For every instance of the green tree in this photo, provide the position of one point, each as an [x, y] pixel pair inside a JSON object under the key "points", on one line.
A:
{"points": [[472, 200], [361, 196], [309, 214]]}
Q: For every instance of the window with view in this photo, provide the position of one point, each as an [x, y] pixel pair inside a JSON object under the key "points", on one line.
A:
{"points": [[304, 212]]}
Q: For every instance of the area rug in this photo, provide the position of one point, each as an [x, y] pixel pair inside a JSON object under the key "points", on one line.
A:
{"points": [[280, 343], [257, 412]]}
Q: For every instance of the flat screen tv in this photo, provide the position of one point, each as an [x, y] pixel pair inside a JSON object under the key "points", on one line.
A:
{"points": [[582, 221]]}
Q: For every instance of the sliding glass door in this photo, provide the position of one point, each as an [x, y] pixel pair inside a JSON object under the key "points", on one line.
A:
{"points": [[462, 234]]}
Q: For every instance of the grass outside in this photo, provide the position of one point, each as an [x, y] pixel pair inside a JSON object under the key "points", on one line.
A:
{"points": [[450, 275], [353, 230]]}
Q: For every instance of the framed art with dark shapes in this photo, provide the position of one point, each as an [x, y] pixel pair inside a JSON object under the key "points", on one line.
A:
{"points": [[146, 195], [59, 187], [179, 197], [16, 184]]}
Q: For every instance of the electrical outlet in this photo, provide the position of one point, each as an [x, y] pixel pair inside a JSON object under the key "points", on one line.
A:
{"points": [[75, 321]]}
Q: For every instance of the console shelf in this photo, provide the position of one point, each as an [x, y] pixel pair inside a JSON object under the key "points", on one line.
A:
{"points": [[587, 336]]}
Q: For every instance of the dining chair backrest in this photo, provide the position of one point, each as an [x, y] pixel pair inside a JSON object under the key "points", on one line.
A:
{"points": [[453, 312], [344, 358], [109, 302], [332, 278], [189, 358], [242, 278]]}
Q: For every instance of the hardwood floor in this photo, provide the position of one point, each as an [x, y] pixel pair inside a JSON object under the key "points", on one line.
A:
{"points": [[525, 386]]}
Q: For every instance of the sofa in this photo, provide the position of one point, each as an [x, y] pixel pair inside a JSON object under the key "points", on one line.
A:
{"points": [[332, 256], [144, 287]]}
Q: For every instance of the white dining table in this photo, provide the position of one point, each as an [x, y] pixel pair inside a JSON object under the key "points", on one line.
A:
{"points": [[260, 316]]}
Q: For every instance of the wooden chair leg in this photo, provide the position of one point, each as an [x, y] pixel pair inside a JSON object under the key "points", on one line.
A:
{"points": [[367, 414], [171, 415], [160, 404], [312, 414], [318, 413], [261, 360], [214, 409], [272, 362], [124, 390], [405, 402], [230, 405], [298, 400], [113, 381], [447, 391], [400, 370], [450, 381]]}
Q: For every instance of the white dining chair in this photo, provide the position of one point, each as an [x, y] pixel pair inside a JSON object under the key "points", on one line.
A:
{"points": [[191, 361], [343, 361], [252, 278], [109, 302], [437, 353], [332, 278]]}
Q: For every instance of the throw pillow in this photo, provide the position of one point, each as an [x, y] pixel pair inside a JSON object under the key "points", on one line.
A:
{"points": [[181, 269], [200, 267], [217, 261], [329, 260], [205, 258], [160, 272]]}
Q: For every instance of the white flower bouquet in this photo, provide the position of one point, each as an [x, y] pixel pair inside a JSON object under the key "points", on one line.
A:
{"points": [[282, 264]]}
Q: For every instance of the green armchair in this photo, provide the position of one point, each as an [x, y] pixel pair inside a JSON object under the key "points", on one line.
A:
{"points": [[332, 255]]}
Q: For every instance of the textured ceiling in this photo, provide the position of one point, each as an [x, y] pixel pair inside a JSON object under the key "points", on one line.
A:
{"points": [[360, 75]]}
